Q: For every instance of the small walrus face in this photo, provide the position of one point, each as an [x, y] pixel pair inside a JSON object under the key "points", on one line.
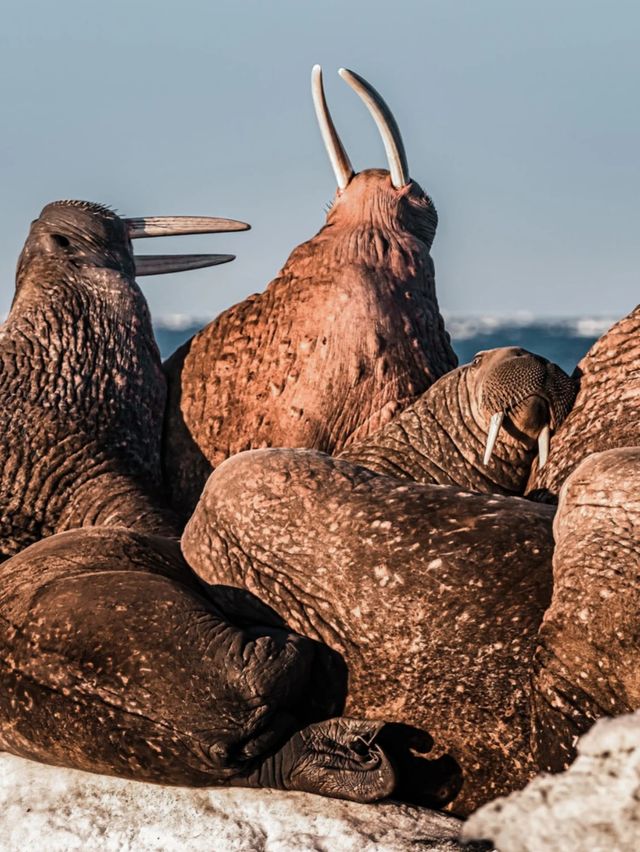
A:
{"points": [[523, 392]]}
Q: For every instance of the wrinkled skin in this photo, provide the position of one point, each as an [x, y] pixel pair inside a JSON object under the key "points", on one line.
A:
{"points": [[115, 659], [433, 596], [81, 387], [606, 413], [441, 438], [588, 660], [346, 336]]}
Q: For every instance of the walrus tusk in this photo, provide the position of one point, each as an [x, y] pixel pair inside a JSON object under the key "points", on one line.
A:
{"points": [[338, 157], [494, 428], [167, 226], [543, 446], [386, 124], [160, 264]]}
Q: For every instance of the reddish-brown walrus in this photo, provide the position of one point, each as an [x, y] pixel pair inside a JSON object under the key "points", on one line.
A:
{"points": [[347, 335], [431, 594], [606, 414]]}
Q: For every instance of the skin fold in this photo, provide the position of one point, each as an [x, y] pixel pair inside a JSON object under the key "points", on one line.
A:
{"points": [[606, 413], [432, 595], [116, 659], [81, 385], [347, 335], [441, 437]]}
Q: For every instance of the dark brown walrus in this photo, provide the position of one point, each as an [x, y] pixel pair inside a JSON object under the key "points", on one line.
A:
{"points": [[606, 413], [432, 595], [347, 335], [478, 427], [115, 658], [81, 387]]}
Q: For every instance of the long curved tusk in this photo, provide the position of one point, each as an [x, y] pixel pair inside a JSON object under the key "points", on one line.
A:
{"points": [[543, 446], [386, 124], [494, 429], [168, 226], [338, 157], [160, 264]]}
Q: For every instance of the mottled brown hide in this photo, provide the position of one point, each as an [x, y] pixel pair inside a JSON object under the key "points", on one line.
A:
{"points": [[441, 437], [347, 335], [432, 595], [606, 413], [588, 660], [115, 658], [81, 386]]}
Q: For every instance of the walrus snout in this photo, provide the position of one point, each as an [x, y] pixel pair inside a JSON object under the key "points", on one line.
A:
{"points": [[534, 394]]}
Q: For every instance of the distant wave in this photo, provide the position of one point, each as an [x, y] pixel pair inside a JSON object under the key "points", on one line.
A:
{"points": [[459, 327], [465, 328]]}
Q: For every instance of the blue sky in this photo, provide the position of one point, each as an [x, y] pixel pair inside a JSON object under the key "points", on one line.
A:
{"points": [[520, 119]]}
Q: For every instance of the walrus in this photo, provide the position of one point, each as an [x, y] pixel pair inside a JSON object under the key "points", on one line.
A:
{"points": [[116, 659], [82, 392], [432, 595], [587, 662], [346, 335], [606, 414], [478, 427]]}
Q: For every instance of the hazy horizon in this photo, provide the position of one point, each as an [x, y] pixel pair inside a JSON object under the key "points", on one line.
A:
{"points": [[521, 122]]}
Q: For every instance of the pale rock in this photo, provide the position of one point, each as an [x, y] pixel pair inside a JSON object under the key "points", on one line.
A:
{"points": [[44, 807], [594, 805]]}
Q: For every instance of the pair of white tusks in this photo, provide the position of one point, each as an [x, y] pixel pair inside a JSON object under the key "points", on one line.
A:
{"points": [[383, 117], [494, 429], [167, 226]]}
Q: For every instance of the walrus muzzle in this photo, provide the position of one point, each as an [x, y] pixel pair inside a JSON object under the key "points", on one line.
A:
{"points": [[534, 394]]}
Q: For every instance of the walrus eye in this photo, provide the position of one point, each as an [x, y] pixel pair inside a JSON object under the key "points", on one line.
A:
{"points": [[61, 241]]}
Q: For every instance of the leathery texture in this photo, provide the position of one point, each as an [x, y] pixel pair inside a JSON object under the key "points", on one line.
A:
{"points": [[81, 419], [587, 663], [441, 437], [606, 414]]}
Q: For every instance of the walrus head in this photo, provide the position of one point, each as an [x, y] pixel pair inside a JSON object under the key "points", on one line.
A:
{"points": [[477, 427], [79, 235], [375, 201], [521, 392]]}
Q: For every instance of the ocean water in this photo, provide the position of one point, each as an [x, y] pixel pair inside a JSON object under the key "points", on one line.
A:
{"points": [[563, 341]]}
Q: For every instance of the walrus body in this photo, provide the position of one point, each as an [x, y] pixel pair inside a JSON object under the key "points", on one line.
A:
{"points": [[82, 392], [115, 659], [606, 414], [446, 436], [443, 603], [345, 336], [587, 663], [433, 596]]}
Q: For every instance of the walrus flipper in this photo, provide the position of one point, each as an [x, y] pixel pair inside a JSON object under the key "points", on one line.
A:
{"points": [[340, 757]]}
